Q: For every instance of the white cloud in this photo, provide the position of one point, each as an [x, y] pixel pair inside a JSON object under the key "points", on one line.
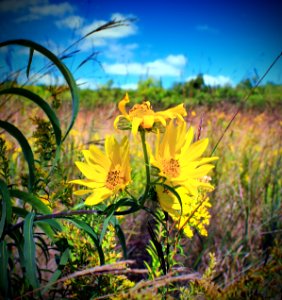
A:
{"points": [[120, 52], [52, 9], [72, 22], [99, 38], [27, 18], [210, 80], [217, 80], [129, 86], [38, 9], [172, 65], [177, 60], [16, 5]]}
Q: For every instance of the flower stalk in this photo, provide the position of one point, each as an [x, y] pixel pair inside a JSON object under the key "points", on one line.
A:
{"points": [[147, 167]]}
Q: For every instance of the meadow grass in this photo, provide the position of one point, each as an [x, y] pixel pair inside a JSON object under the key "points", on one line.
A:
{"points": [[245, 227]]}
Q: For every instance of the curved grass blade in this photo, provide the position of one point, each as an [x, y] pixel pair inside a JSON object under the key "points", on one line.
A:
{"points": [[93, 235], [47, 229], [4, 283], [36, 203], [51, 222], [31, 51], [17, 236], [17, 134], [106, 223], [63, 69], [30, 251], [158, 247], [173, 191], [42, 104], [6, 206], [120, 236], [63, 261]]}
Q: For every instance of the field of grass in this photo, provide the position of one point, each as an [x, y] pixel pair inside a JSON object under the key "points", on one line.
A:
{"points": [[169, 215], [244, 234]]}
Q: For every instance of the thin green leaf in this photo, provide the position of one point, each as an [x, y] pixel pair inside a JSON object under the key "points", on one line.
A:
{"points": [[41, 242], [173, 191], [36, 203], [106, 224], [17, 236], [17, 134], [46, 228], [42, 104], [30, 251], [51, 222], [6, 206], [61, 66], [120, 236], [4, 283], [56, 275], [158, 247], [31, 51], [124, 202], [93, 235], [20, 212]]}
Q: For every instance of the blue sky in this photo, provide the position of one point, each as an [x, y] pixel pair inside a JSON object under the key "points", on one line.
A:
{"points": [[170, 40]]}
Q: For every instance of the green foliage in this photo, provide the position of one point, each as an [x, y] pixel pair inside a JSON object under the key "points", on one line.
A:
{"points": [[194, 92], [20, 240]]}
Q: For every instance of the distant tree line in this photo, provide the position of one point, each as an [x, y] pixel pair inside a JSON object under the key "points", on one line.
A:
{"points": [[194, 92]]}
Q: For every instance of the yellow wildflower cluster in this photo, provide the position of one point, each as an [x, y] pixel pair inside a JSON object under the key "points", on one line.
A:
{"points": [[182, 183]]}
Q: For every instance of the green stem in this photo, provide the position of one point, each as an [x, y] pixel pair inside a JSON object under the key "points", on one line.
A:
{"points": [[147, 168]]}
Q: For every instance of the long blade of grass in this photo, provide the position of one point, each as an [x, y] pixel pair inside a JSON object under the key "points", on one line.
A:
{"points": [[42, 104], [4, 283], [158, 247], [106, 224], [245, 99], [36, 203], [120, 235], [63, 69], [30, 251], [93, 235], [6, 213], [56, 275], [31, 51], [173, 191], [17, 134]]}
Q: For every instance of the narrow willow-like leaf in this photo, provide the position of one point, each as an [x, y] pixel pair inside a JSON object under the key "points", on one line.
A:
{"points": [[93, 235], [61, 66], [47, 229], [56, 275], [55, 224], [36, 203], [6, 214], [42, 104], [17, 134], [120, 236], [31, 50], [173, 191], [30, 251], [106, 224], [20, 212], [124, 202], [17, 236], [4, 283], [158, 247]]}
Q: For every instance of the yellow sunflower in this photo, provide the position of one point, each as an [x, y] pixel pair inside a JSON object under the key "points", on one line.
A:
{"points": [[179, 160], [143, 115], [194, 213], [106, 173]]}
